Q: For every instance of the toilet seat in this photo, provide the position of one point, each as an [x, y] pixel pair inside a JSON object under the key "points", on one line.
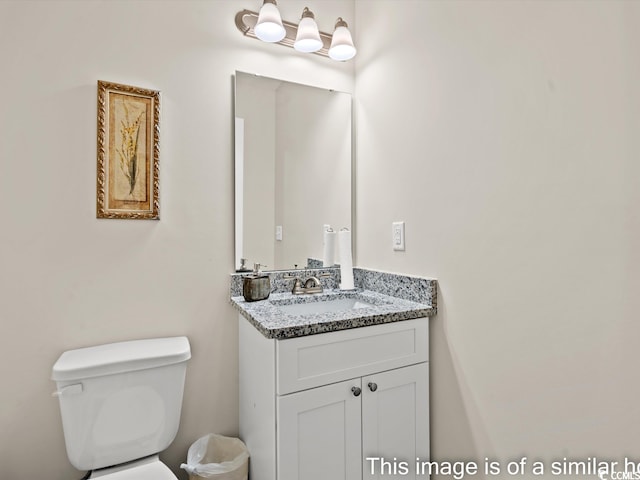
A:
{"points": [[149, 468]]}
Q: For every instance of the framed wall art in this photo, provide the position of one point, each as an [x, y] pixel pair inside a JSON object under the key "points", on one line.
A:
{"points": [[128, 152]]}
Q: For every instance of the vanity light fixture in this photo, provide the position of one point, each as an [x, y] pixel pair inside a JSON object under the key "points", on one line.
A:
{"points": [[268, 26], [341, 43], [308, 36]]}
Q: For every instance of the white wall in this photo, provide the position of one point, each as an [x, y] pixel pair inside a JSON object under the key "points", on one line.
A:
{"points": [[69, 280], [506, 136]]}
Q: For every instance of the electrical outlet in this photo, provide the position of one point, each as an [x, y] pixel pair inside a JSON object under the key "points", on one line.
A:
{"points": [[279, 233], [397, 230]]}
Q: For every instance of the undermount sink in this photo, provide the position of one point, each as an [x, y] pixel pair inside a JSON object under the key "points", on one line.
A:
{"points": [[326, 306]]}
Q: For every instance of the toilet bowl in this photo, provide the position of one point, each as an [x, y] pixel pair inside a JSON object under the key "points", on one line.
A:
{"points": [[120, 405]]}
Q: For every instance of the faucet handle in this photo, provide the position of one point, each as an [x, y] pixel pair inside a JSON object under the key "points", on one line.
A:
{"points": [[311, 282], [297, 287]]}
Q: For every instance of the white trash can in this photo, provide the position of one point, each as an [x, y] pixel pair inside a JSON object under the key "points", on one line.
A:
{"points": [[217, 457]]}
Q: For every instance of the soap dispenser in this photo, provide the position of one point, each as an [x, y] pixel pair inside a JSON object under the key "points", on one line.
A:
{"points": [[243, 266], [257, 285]]}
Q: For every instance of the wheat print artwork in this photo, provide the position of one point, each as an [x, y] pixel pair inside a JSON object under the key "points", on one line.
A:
{"points": [[127, 151]]}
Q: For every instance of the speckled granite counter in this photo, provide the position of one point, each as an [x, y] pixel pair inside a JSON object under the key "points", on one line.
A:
{"points": [[383, 298]]}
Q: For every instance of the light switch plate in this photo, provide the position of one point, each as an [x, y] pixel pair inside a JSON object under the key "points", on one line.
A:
{"points": [[278, 232], [397, 229]]}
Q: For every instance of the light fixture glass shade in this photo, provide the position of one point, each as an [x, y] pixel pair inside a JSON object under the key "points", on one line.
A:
{"points": [[269, 27], [308, 38], [341, 42]]}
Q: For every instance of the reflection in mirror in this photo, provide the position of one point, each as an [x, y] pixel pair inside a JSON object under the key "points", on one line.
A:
{"points": [[293, 170]]}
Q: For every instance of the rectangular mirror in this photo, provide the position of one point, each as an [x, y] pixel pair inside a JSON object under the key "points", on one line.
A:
{"points": [[293, 168]]}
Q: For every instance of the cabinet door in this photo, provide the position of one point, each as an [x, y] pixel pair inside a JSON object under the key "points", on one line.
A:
{"points": [[395, 422], [319, 433]]}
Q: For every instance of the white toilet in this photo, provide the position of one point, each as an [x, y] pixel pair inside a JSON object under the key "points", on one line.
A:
{"points": [[120, 406]]}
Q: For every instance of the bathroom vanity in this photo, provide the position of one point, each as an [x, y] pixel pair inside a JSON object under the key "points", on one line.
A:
{"points": [[332, 383]]}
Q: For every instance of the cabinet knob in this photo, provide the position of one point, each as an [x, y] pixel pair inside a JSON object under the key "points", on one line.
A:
{"points": [[373, 386], [356, 391]]}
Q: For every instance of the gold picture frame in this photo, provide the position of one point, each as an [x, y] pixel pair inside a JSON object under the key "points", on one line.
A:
{"points": [[128, 152]]}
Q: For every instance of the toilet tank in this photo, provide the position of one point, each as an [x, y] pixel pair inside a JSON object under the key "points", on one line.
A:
{"points": [[120, 402]]}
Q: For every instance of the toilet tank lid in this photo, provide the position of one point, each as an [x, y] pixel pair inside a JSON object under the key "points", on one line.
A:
{"points": [[120, 357]]}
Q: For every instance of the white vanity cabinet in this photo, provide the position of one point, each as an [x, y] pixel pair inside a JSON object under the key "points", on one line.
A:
{"points": [[315, 407]]}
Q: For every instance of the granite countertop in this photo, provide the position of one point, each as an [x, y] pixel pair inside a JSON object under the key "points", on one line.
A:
{"points": [[373, 308]]}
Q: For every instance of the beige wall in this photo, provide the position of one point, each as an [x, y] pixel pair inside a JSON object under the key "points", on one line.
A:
{"points": [[70, 280], [506, 136]]}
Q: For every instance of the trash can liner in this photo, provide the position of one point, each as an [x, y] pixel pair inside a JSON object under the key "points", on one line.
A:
{"points": [[214, 454]]}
